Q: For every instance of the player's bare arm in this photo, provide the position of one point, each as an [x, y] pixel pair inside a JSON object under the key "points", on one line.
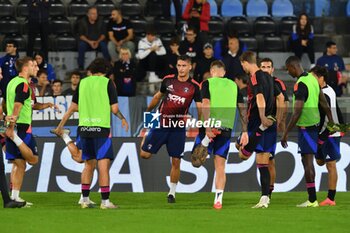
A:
{"points": [[155, 101], [243, 117], [280, 104], [325, 107], [260, 101], [115, 110], [206, 114], [72, 109], [298, 108]]}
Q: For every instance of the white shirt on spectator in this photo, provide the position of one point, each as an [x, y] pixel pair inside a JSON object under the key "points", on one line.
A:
{"points": [[144, 48]]}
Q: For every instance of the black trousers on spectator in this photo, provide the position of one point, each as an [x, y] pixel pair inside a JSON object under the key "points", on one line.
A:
{"points": [[152, 62], [3, 182], [298, 50], [35, 28], [178, 9]]}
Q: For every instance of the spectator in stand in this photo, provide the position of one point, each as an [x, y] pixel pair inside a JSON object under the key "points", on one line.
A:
{"points": [[231, 59], [124, 74], [178, 9], [197, 15], [120, 33], [221, 46], [335, 66], [7, 65], [74, 80], [91, 31], [43, 64], [191, 46], [303, 38], [38, 22], [204, 63], [151, 56], [171, 56], [56, 88], [43, 86]]}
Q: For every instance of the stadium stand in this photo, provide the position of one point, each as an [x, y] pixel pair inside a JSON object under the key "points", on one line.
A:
{"points": [[78, 8], [131, 7], [7, 8], [57, 8], [8, 25], [230, 8], [104, 7], [282, 8], [256, 8]]}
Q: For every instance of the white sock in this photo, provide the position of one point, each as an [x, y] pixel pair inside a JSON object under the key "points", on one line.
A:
{"points": [[205, 141], [66, 138], [14, 194], [17, 140], [218, 196], [86, 199], [172, 189], [105, 202]]}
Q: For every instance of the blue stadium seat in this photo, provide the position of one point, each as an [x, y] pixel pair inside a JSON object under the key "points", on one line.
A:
{"points": [[57, 8], [131, 7], [7, 8], [8, 25], [184, 3], [213, 7], [281, 8], [256, 8], [231, 8], [104, 7], [78, 7], [348, 8]]}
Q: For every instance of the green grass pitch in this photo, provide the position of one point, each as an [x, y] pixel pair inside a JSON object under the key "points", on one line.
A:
{"points": [[150, 212]]}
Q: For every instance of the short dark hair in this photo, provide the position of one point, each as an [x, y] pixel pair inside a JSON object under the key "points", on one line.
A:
{"points": [[118, 9], [293, 60], [41, 71], [265, 59], [174, 40], [243, 77], [92, 7], [249, 57], [184, 57], [21, 62], [74, 72], [13, 42], [150, 30], [57, 81], [100, 65], [330, 44], [218, 64], [193, 29], [320, 71]]}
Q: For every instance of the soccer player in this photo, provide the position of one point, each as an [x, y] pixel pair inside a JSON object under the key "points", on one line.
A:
{"points": [[266, 65], [220, 98], [261, 104], [329, 151], [306, 99], [176, 94], [20, 143], [94, 99]]}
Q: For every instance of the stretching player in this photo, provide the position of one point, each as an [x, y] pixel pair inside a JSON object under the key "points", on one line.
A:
{"points": [[306, 99], [221, 97], [95, 98], [261, 104], [266, 65], [176, 95], [329, 151]]}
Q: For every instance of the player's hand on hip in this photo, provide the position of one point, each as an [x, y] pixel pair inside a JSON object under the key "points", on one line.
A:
{"points": [[210, 133]]}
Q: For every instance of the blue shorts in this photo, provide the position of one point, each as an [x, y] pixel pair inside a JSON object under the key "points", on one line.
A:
{"points": [[12, 151], [330, 150], [268, 139], [174, 138], [97, 148], [307, 140], [219, 146], [78, 142]]}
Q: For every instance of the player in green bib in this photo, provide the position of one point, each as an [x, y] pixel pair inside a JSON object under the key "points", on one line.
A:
{"points": [[220, 98], [307, 98], [95, 99], [20, 143]]}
